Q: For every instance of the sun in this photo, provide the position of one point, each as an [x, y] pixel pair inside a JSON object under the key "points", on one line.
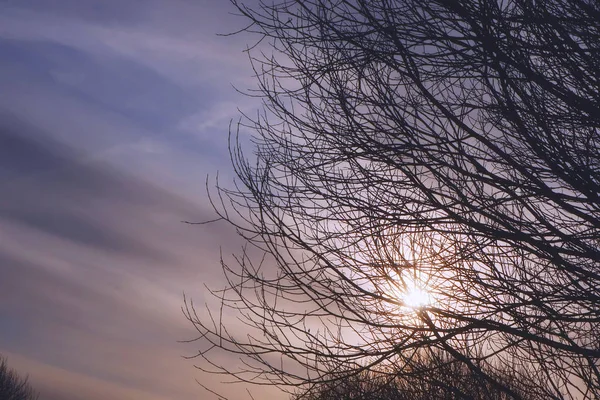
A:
{"points": [[416, 297], [411, 291]]}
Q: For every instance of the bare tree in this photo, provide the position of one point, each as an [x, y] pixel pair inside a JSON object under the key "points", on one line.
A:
{"points": [[446, 379], [13, 386], [445, 149]]}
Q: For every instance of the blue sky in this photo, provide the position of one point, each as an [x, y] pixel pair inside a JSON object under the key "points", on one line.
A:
{"points": [[112, 114]]}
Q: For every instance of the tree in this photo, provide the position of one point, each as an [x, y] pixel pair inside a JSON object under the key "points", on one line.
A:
{"points": [[12, 386], [441, 146], [446, 379]]}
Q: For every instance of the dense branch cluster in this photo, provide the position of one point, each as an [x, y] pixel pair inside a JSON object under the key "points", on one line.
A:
{"points": [[446, 144], [13, 386], [445, 379]]}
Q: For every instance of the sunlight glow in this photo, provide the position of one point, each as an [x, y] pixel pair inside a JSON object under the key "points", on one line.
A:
{"points": [[416, 297]]}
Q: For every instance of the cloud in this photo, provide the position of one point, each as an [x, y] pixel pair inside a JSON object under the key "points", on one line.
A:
{"points": [[48, 189], [178, 41], [94, 263], [122, 90], [116, 83], [94, 257], [55, 383]]}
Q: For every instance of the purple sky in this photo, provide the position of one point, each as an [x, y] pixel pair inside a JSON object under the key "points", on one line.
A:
{"points": [[112, 113]]}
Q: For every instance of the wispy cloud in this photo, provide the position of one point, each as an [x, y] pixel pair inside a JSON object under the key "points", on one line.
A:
{"points": [[56, 383], [94, 258], [94, 263]]}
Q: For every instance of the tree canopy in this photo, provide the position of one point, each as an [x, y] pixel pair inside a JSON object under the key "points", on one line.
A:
{"points": [[443, 147]]}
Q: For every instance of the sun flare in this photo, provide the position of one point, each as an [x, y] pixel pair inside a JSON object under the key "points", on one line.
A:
{"points": [[412, 292]]}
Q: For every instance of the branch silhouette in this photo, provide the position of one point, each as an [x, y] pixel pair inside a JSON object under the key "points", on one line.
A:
{"points": [[453, 145]]}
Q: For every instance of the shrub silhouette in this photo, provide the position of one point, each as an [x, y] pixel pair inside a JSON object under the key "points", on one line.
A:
{"points": [[13, 386]]}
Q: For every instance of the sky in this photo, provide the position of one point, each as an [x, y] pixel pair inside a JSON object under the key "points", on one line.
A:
{"points": [[112, 115]]}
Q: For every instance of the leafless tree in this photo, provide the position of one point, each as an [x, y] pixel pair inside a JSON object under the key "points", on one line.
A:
{"points": [[13, 386], [446, 379], [446, 146]]}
